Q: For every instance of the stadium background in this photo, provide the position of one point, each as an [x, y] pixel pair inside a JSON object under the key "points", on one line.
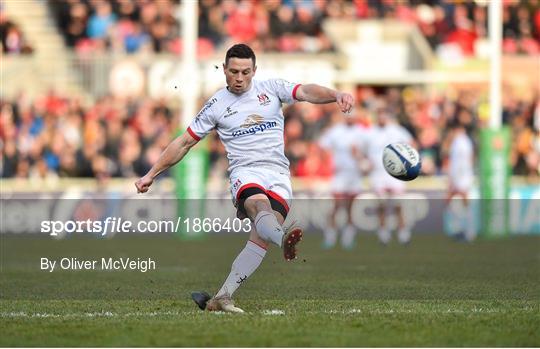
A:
{"points": [[93, 91]]}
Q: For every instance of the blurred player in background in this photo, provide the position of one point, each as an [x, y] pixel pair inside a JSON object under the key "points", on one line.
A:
{"points": [[346, 141], [460, 180], [387, 188], [248, 119]]}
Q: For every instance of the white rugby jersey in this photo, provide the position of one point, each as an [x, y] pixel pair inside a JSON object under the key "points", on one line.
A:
{"points": [[380, 137], [461, 155], [250, 125], [340, 140]]}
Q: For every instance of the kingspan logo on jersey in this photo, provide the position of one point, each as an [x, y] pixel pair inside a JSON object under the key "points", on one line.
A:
{"points": [[254, 124]]}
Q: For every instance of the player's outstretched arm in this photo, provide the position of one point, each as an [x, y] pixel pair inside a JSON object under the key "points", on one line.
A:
{"points": [[174, 152], [317, 94]]}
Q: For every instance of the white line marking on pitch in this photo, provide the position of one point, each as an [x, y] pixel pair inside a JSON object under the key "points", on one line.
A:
{"points": [[273, 312], [109, 314], [96, 314]]}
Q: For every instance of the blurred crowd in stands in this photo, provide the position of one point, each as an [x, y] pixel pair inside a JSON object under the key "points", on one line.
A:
{"points": [[427, 115], [12, 38], [275, 25], [59, 136], [283, 25], [126, 26], [462, 23]]}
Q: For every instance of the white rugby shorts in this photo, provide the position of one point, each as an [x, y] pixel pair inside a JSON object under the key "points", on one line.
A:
{"points": [[346, 182], [276, 185]]}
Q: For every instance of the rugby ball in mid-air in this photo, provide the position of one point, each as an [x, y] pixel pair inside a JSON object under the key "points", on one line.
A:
{"points": [[401, 161]]}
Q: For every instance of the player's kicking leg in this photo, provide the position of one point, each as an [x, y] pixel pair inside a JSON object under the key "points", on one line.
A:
{"points": [[247, 261], [268, 225], [268, 229]]}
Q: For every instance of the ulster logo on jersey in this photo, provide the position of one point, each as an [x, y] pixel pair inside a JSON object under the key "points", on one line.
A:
{"points": [[263, 99]]}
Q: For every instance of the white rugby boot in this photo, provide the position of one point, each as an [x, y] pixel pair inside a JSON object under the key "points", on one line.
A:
{"points": [[223, 303]]}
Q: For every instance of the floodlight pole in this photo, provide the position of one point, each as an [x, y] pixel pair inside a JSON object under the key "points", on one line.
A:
{"points": [[189, 86], [191, 173], [495, 37]]}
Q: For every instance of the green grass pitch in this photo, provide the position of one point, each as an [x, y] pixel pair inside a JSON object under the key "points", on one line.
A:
{"points": [[434, 292]]}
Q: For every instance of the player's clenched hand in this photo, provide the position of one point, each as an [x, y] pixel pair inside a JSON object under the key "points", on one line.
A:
{"points": [[345, 101], [143, 184]]}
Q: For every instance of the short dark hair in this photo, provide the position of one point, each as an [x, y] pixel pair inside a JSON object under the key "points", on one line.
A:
{"points": [[240, 51]]}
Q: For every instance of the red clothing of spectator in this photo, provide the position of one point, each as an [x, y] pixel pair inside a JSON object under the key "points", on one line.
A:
{"points": [[464, 39], [530, 46], [315, 164], [509, 45], [405, 13], [242, 25], [537, 23], [54, 104], [362, 8]]}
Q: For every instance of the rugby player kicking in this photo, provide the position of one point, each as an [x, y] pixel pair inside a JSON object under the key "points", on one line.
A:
{"points": [[248, 119]]}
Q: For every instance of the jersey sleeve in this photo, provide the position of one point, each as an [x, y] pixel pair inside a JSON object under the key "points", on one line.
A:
{"points": [[204, 122], [285, 90]]}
